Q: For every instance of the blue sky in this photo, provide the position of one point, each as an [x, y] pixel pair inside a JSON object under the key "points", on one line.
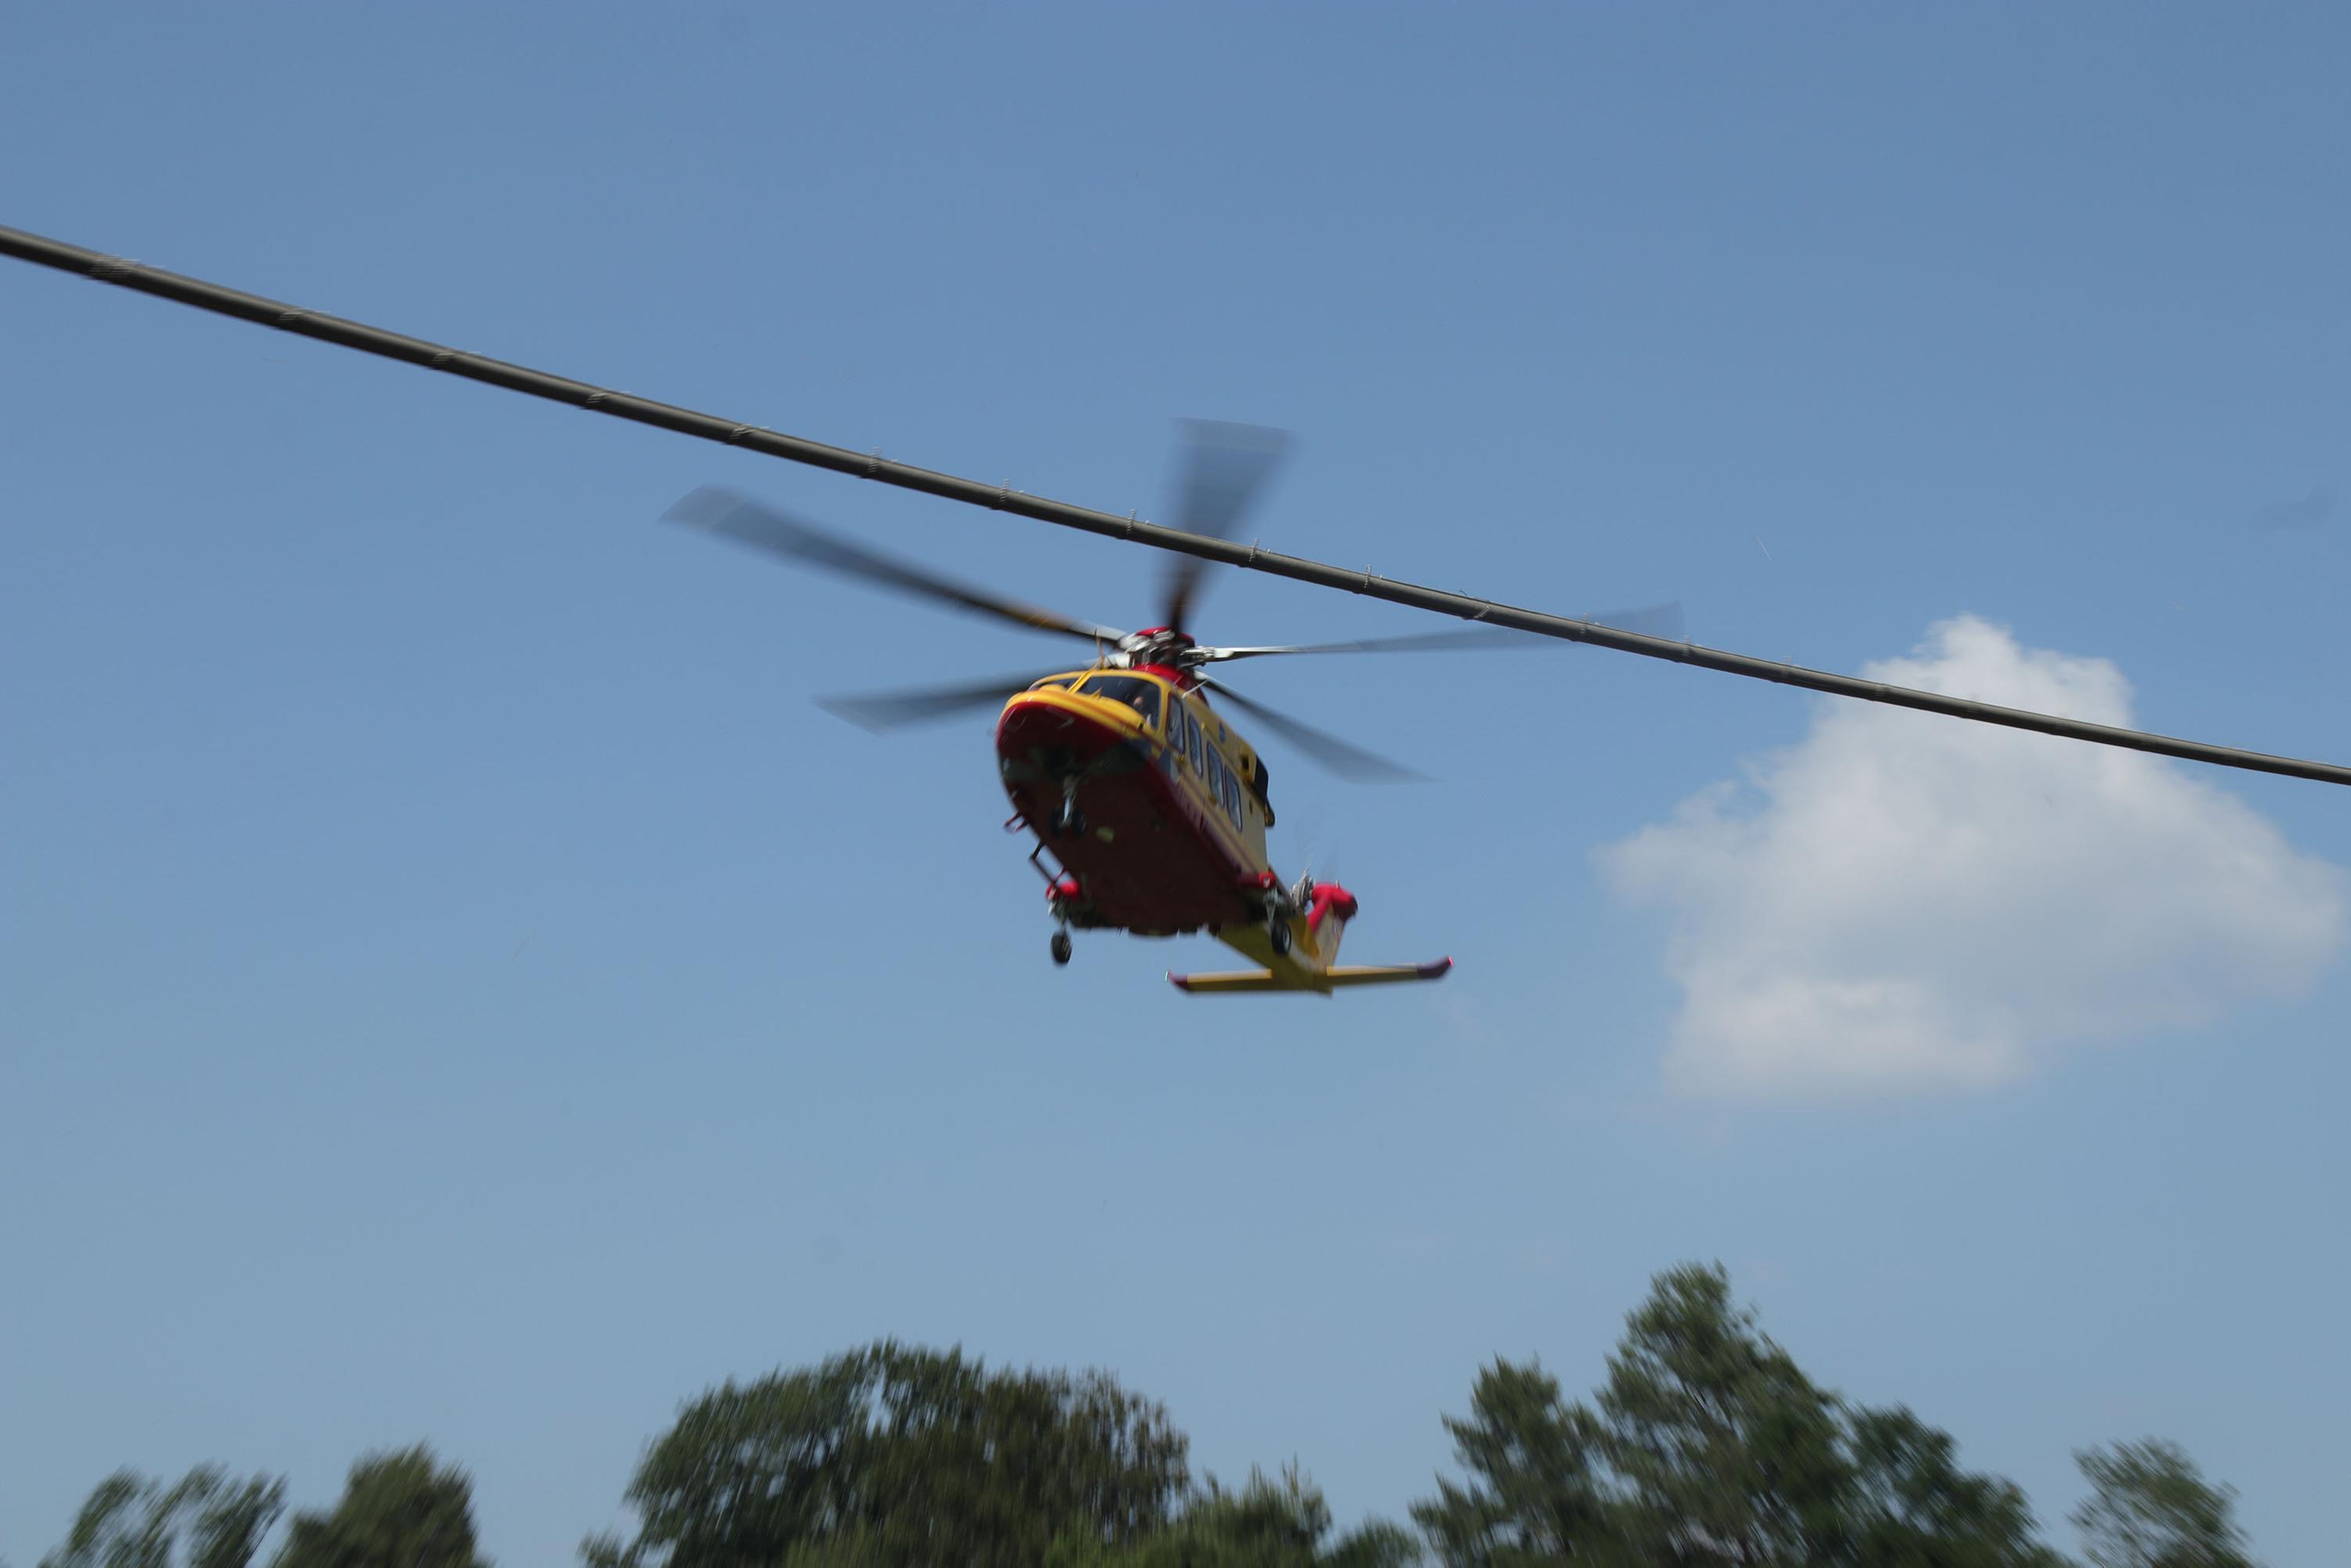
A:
{"points": [[456, 986]]}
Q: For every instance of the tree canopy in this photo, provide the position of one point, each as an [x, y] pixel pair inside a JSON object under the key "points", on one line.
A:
{"points": [[1708, 1445], [398, 1508], [1266, 1524], [208, 1520], [898, 1455], [1705, 1446], [2150, 1507]]}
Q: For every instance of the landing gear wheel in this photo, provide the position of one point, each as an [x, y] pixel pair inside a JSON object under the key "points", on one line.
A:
{"points": [[1061, 948], [1278, 933]]}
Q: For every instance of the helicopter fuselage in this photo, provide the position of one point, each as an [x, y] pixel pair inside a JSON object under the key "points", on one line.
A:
{"points": [[1156, 809], [1154, 806]]}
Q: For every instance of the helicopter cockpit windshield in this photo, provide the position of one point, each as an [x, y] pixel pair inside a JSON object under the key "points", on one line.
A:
{"points": [[1141, 695]]}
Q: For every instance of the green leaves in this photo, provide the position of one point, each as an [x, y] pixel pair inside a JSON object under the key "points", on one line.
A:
{"points": [[894, 1456], [1911, 1504], [1537, 1488], [899, 1455], [1705, 1447], [2150, 1507], [1266, 1524], [1725, 1450], [1708, 1445], [397, 1508], [207, 1520]]}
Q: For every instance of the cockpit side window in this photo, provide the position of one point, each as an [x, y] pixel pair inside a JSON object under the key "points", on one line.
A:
{"points": [[1259, 776]]}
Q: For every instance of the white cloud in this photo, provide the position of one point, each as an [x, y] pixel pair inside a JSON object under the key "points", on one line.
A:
{"points": [[1905, 903]]}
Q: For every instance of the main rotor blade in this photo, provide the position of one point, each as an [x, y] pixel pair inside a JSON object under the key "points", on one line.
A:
{"points": [[1224, 467], [1346, 760], [363, 338], [749, 522], [1427, 642], [1660, 621], [879, 711], [1656, 620]]}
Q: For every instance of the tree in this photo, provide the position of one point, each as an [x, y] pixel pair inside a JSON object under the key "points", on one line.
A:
{"points": [[1537, 1488], [1266, 1524], [1708, 1445], [206, 1520], [2150, 1507], [895, 1455], [1912, 1505], [1727, 1452], [398, 1510]]}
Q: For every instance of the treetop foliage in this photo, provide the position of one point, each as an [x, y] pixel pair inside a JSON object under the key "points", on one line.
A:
{"points": [[1705, 1446], [1266, 1524], [2150, 1507], [904, 1455], [397, 1508], [1708, 1445], [207, 1520]]}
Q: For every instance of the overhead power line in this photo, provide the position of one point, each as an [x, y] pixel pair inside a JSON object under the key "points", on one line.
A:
{"points": [[370, 340]]}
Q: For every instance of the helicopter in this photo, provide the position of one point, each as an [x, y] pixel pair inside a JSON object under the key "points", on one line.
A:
{"points": [[1151, 806]]}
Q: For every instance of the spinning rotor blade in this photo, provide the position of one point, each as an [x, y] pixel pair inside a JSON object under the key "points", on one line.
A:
{"points": [[1224, 466], [1663, 620], [363, 337], [1493, 637], [1345, 760], [1656, 620], [724, 512], [879, 711]]}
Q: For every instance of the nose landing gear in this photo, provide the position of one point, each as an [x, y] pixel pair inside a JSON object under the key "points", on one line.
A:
{"points": [[1065, 898]]}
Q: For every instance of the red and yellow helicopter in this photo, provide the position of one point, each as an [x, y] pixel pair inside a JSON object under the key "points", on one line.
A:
{"points": [[1154, 808]]}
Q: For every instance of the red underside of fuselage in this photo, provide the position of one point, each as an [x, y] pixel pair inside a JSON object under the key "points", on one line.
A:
{"points": [[1148, 859]]}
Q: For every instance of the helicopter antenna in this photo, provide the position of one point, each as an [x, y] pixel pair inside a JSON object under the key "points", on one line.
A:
{"points": [[205, 296]]}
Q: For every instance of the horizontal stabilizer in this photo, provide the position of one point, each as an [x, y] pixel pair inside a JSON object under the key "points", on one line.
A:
{"points": [[1387, 974], [1320, 980], [1242, 980]]}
